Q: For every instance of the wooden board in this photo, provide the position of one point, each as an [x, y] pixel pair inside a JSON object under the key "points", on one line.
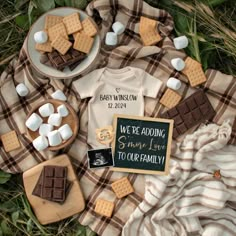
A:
{"points": [[72, 120], [142, 144], [49, 212]]}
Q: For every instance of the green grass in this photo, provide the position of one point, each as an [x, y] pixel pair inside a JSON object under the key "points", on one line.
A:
{"points": [[210, 29]]}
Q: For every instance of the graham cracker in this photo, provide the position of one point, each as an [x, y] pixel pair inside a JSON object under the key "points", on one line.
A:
{"points": [[10, 141], [146, 22], [56, 30], [72, 23], [83, 43], [122, 187], [194, 72], [170, 98], [104, 207], [43, 47], [150, 36], [51, 20], [61, 45], [88, 27]]}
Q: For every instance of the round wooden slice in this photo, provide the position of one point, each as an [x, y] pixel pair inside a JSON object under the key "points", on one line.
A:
{"points": [[72, 120]]}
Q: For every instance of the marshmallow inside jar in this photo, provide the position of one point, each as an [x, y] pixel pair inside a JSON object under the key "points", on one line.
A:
{"points": [[55, 119], [65, 132], [54, 138]]}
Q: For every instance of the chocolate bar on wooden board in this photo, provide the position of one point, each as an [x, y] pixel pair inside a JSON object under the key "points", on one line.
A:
{"points": [[190, 112]]}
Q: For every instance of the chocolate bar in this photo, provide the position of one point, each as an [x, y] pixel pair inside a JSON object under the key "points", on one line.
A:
{"points": [[59, 62], [38, 187], [190, 112]]}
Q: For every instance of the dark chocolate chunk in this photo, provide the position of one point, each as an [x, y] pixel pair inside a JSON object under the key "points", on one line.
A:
{"points": [[191, 111]]}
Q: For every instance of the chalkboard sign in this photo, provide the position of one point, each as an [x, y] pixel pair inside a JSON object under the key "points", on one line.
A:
{"points": [[142, 144]]}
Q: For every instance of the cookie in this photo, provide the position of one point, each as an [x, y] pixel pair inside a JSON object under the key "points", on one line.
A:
{"points": [[88, 27], [150, 36], [61, 45], [170, 98], [194, 72], [122, 187], [83, 43], [51, 20], [10, 141], [56, 30], [72, 23], [146, 22], [43, 47], [104, 207]]}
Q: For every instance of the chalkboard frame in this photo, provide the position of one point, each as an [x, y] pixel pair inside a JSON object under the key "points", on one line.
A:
{"points": [[168, 150]]}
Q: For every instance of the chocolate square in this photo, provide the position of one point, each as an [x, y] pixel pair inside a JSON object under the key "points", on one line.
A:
{"points": [[49, 183], [59, 183], [196, 114], [191, 104], [183, 108], [173, 112], [47, 193], [178, 120]]}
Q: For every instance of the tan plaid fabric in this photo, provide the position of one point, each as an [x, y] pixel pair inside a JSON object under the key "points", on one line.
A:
{"points": [[130, 52]]}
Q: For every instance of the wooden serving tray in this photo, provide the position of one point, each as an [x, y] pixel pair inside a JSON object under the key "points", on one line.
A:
{"points": [[72, 120], [47, 211]]}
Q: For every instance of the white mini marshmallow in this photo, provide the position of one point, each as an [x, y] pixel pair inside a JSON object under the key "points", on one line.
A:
{"points": [[178, 64], [22, 90], [181, 42], [65, 132], [54, 138], [118, 28], [40, 143], [55, 119], [111, 39], [173, 83], [62, 110], [33, 122], [46, 110], [40, 37], [44, 129], [59, 95]]}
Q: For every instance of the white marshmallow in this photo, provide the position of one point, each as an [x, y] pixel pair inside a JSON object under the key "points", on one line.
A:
{"points": [[62, 110], [118, 28], [54, 119], [173, 83], [40, 143], [59, 95], [44, 129], [22, 90], [181, 42], [178, 64], [54, 138], [40, 37], [33, 122], [46, 110], [65, 132], [111, 39]]}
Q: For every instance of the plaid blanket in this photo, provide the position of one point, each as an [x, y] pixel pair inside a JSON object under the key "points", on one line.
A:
{"points": [[130, 52]]}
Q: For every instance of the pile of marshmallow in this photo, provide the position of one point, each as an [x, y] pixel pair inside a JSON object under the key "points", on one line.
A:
{"points": [[112, 37], [50, 133], [178, 63]]}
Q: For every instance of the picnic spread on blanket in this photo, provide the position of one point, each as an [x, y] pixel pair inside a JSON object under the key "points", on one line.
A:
{"points": [[108, 118]]}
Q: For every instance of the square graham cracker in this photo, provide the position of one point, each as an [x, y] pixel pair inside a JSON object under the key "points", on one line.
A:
{"points": [[104, 207], [170, 98], [150, 36], [48, 211], [146, 22], [43, 47], [10, 141], [89, 28], [61, 45], [83, 43], [51, 20], [194, 72], [122, 187], [72, 23], [57, 30]]}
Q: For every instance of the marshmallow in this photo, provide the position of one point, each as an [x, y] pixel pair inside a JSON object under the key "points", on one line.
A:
{"points": [[46, 110], [33, 122], [40, 37], [173, 83], [22, 90], [118, 28], [178, 64], [111, 39], [54, 119], [59, 95], [40, 143], [62, 110], [65, 132], [44, 129], [181, 42], [54, 138]]}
